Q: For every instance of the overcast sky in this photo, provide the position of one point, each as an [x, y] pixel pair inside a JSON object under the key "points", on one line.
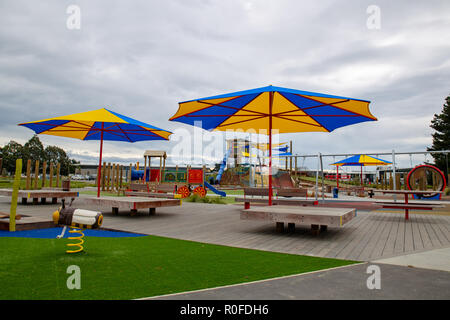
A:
{"points": [[140, 58]]}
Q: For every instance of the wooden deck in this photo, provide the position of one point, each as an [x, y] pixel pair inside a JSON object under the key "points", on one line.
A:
{"points": [[368, 236]]}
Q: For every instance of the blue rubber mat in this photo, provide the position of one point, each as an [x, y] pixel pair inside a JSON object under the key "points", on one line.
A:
{"points": [[51, 233]]}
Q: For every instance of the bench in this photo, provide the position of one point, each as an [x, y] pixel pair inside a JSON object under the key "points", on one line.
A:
{"points": [[408, 206], [146, 190], [132, 203], [319, 218], [40, 194], [264, 192]]}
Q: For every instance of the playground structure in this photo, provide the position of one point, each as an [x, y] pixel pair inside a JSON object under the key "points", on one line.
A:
{"points": [[181, 181]]}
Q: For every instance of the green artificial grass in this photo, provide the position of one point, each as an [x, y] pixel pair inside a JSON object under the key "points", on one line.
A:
{"points": [[127, 268]]}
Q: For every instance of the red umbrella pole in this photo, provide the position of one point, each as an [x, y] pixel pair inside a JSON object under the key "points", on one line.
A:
{"points": [[361, 177], [270, 147], [99, 173], [337, 177]]}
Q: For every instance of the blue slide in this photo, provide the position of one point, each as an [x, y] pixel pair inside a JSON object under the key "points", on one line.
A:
{"points": [[222, 166], [220, 193]]}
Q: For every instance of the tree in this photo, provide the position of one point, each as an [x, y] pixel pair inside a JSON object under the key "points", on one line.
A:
{"points": [[55, 155], [441, 137], [10, 152], [34, 150]]}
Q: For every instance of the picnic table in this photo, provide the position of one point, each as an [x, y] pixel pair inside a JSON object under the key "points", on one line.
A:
{"points": [[406, 205], [319, 218], [132, 203]]}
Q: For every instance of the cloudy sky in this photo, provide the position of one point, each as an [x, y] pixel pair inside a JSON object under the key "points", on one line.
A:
{"points": [[140, 58]]}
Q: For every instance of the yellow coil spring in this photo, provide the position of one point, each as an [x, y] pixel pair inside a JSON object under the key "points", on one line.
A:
{"points": [[80, 238]]}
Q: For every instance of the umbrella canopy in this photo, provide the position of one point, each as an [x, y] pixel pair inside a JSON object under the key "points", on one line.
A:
{"points": [[361, 160], [101, 124], [274, 108]]}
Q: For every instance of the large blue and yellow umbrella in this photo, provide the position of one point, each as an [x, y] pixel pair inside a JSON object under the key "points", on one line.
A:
{"points": [[101, 124], [274, 108], [361, 160]]}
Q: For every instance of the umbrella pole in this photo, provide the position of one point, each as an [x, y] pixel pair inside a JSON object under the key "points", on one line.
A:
{"points": [[270, 148], [361, 177], [337, 177], [99, 174]]}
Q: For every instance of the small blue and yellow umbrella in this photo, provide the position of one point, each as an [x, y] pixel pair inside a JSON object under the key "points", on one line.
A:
{"points": [[274, 108], [101, 124], [361, 160]]}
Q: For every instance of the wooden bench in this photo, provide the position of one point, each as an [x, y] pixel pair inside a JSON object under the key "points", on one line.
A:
{"points": [[264, 192], [408, 206], [132, 203], [319, 218], [40, 194]]}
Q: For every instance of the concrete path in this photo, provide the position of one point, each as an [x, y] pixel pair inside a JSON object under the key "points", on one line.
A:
{"points": [[345, 283], [438, 259]]}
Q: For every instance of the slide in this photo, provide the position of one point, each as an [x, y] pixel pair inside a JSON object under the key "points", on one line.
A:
{"points": [[220, 193], [222, 166]]}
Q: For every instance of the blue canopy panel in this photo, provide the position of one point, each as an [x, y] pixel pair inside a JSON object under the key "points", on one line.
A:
{"points": [[273, 89], [211, 117], [135, 122], [40, 127], [114, 131]]}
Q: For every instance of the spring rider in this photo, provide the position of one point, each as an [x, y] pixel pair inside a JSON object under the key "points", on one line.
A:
{"points": [[76, 220]]}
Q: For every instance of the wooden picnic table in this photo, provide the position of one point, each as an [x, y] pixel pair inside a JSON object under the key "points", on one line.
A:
{"points": [[42, 194], [132, 203], [406, 205], [314, 216]]}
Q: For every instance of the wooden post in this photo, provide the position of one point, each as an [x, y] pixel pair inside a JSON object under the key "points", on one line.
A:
{"points": [[121, 177], [290, 158], [176, 173], [51, 175], [129, 173], [164, 168], [103, 176], [28, 183], [160, 170], [36, 174], [16, 184], [110, 169], [145, 169], [397, 181], [44, 173], [58, 169], [391, 182], [113, 176], [117, 176]]}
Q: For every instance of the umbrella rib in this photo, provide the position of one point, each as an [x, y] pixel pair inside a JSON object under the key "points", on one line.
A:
{"points": [[229, 124], [303, 122], [118, 126], [260, 114], [332, 104], [234, 108], [322, 105]]}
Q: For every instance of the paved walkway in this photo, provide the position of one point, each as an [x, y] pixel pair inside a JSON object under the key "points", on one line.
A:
{"points": [[438, 259], [396, 282]]}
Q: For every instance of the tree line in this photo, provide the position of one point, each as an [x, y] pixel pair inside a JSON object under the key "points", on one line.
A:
{"points": [[34, 150]]}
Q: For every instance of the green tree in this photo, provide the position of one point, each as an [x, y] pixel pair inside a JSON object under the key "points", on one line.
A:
{"points": [[10, 152], [57, 155], [33, 149], [441, 137]]}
